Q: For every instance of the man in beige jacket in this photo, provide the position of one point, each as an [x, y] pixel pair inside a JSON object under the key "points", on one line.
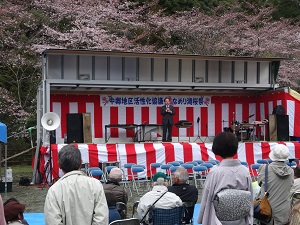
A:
{"points": [[75, 199]]}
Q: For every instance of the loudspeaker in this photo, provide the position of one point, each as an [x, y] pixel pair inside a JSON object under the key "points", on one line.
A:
{"points": [[74, 128], [279, 110], [279, 127], [283, 128]]}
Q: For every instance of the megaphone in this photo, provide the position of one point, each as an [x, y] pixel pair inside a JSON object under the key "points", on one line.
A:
{"points": [[50, 121]]}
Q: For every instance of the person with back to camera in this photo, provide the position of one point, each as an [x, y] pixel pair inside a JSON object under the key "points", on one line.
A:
{"points": [[13, 209], [187, 193], [280, 181], [230, 174], [168, 201], [167, 111], [2, 216], [111, 203], [113, 187], [75, 199]]}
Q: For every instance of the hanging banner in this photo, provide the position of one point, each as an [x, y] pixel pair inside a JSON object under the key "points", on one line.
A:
{"points": [[155, 100]]}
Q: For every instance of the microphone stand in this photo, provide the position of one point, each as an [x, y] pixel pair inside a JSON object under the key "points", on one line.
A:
{"points": [[198, 137]]}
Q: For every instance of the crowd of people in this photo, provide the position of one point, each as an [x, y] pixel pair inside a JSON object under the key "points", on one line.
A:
{"points": [[79, 199]]}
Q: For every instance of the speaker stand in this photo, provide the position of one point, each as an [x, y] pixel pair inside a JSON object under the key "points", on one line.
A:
{"points": [[198, 137], [48, 170]]}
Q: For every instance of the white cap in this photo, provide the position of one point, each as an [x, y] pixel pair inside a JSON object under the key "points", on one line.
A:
{"points": [[279, 153], [115, 173]]}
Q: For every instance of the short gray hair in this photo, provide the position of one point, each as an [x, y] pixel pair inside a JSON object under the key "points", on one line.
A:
{"points": [[182, 174], [69, 158], [160, 181]]}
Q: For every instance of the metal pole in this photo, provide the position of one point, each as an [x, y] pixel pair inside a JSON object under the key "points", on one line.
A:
{"points": [[0, 160], [5, 153]]}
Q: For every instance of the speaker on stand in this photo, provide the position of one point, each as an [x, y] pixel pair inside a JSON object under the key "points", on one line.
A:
{"points": [[50, 121], [198, 137]]}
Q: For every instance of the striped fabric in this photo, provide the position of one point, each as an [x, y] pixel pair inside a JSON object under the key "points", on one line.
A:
{"points": [[148, 153], [220, 113]]}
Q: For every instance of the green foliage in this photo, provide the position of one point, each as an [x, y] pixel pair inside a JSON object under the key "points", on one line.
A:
{"points": [[65, 24], [287, 9]]}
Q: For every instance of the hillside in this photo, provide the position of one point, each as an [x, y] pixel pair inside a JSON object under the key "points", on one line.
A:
{"points": [[209, 27]]}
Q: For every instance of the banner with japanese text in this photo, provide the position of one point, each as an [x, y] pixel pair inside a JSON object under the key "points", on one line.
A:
{"points": [[155, 100]]}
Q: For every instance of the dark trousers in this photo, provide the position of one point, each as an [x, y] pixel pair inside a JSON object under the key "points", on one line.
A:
{"points": [[167, 128]]}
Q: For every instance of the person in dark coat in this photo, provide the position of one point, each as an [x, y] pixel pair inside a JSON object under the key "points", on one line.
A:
{"points": [[187, 193], [167, 111], [113, 213]]}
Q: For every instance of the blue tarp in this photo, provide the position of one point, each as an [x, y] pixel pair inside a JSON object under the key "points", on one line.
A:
{"points": [[3, 133]]}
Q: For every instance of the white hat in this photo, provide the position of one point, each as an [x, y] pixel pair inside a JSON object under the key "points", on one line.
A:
{"points": [[279, 153]]}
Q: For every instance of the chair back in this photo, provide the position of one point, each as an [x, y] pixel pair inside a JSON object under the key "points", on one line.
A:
{"points": [[166, 216], [121, 207], [262, 161], [207, 164], [199, 161], [174, 163], [131, 221], [188, 212], [134, 207], [155, 167]]}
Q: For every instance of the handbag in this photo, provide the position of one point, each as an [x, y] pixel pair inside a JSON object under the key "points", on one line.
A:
{"points": [[232, 204], [262, 206]]}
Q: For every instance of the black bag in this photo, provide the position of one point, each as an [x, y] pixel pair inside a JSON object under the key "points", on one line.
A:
{"points": [[262, 208], [24, 181]]}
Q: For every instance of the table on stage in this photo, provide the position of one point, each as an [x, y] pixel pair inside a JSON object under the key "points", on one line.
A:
{"points": [[132, 127], [254, 126], [140, 130]]}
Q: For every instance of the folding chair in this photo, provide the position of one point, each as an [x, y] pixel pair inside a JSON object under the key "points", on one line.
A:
{"points": [[134, 207], [121, 207], [166, 216], [262, 161], [126, 183], [139, 176], [127, 170], [179, 161], [215, 160], [199, 173], [208, 165], [254, 168], [154, 166], [291, 164], [166, 169], [192, 162], [97, 173], [188, 212], [174, 163], [131, 221], [199, 161], [244, 164], [212, 162]]}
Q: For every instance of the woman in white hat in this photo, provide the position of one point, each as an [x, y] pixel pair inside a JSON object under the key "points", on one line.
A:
{"points": [[280, 181]]}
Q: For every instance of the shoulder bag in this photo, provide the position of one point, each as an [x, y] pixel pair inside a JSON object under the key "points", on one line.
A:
{"points": [[232, 204], [143, 220], [262, 207]]}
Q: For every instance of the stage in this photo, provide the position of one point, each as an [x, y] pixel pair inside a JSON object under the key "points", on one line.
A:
{"points": [[147, 153]]}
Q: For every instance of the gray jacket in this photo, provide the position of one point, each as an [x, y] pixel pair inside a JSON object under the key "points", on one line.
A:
{"points": [[280, 181], [230, 174]]}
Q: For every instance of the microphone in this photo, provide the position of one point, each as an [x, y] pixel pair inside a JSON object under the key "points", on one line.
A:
{"points": [[198, 119]]}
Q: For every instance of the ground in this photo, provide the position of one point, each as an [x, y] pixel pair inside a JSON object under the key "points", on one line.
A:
{"points": [[34, 196]]}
